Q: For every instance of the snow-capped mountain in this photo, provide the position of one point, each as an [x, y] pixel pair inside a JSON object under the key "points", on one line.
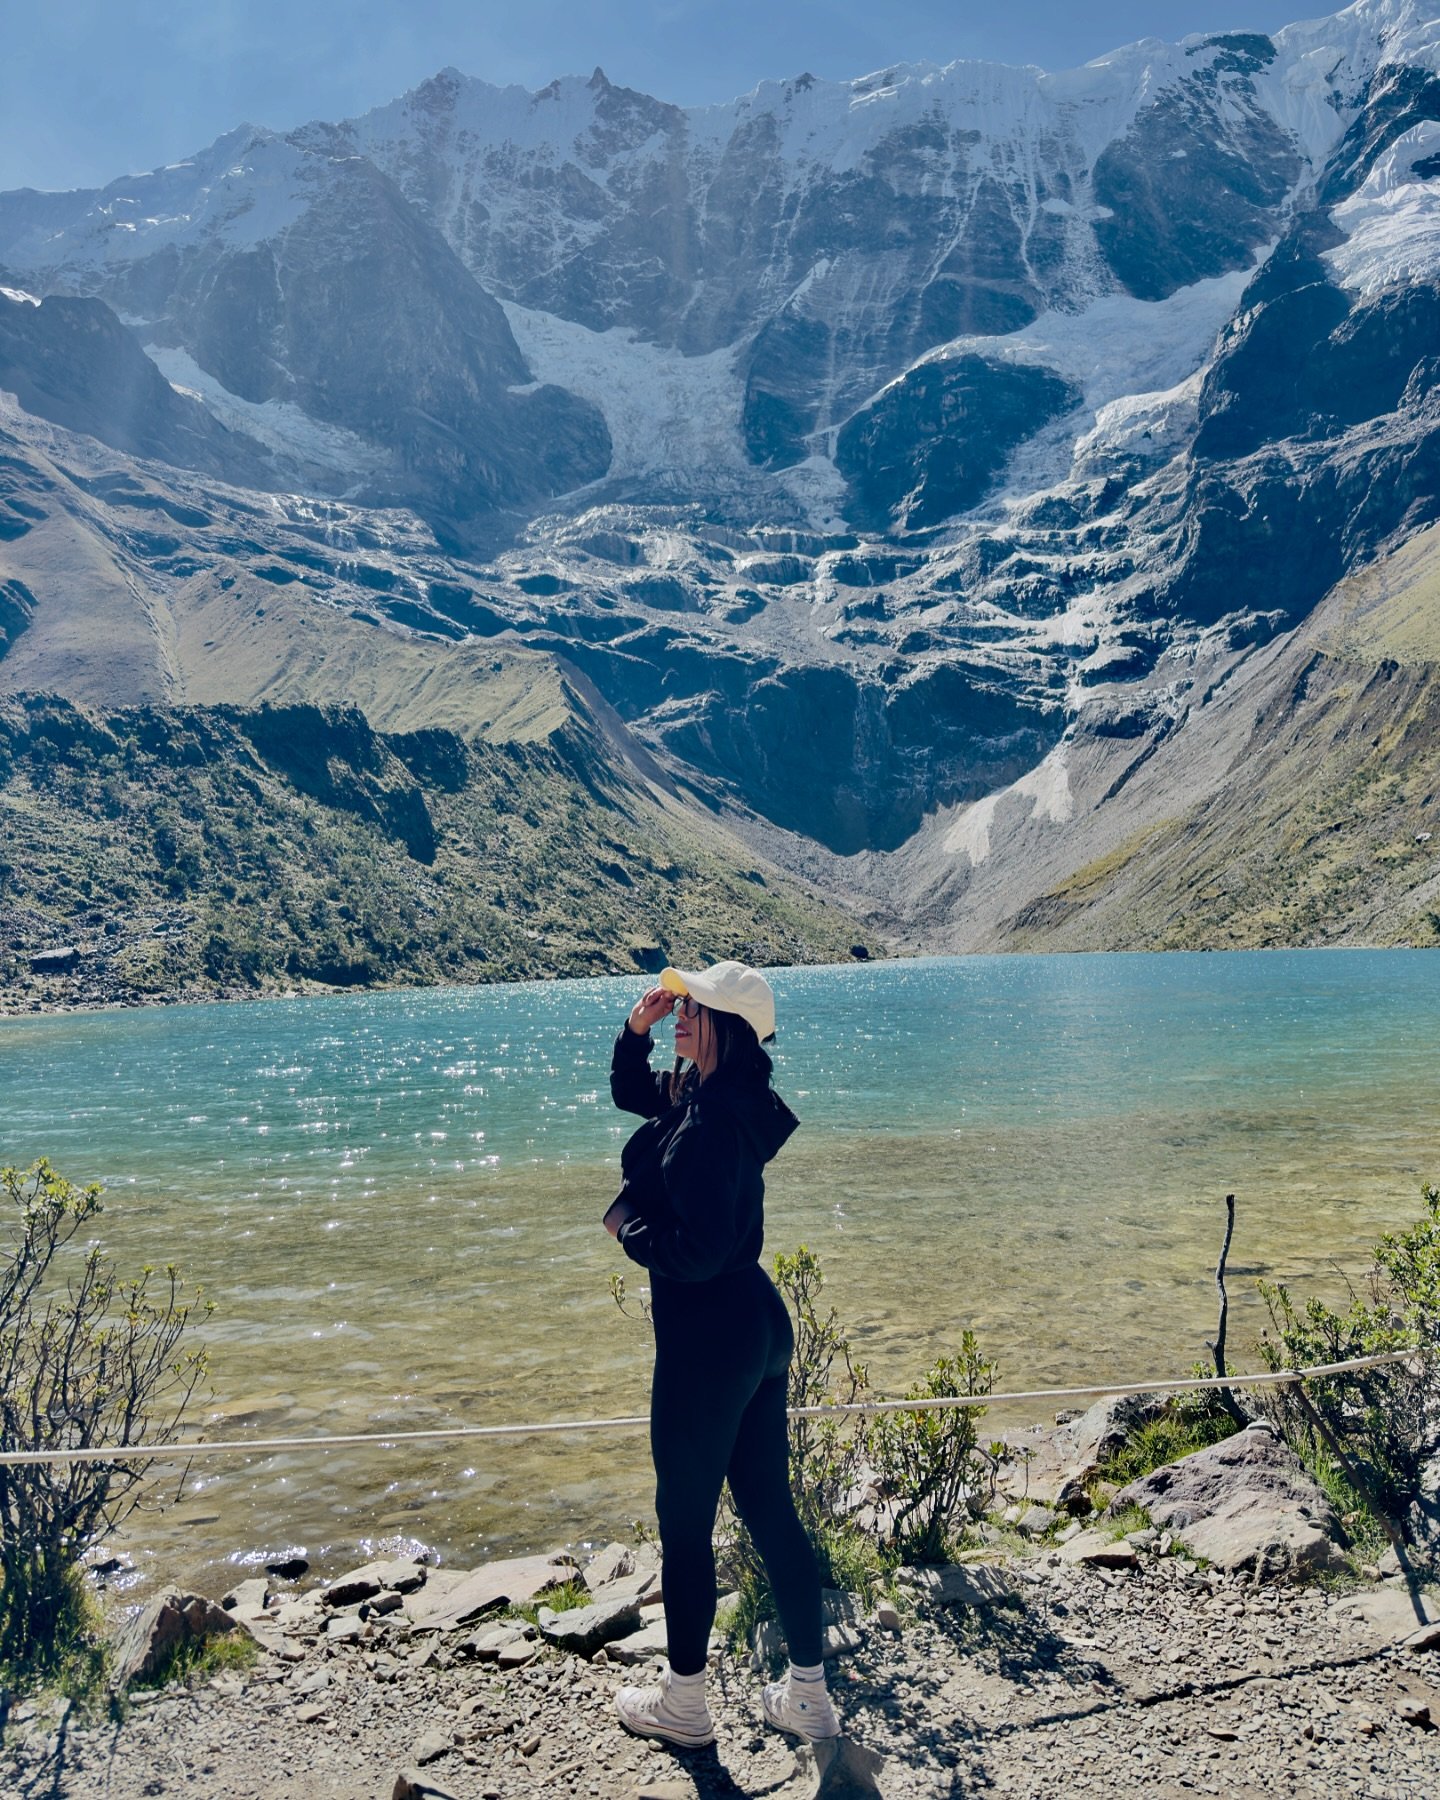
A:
{"points": [[856, 439]]}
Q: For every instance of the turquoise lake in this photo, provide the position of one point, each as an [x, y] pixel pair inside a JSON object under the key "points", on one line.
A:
{"points": [[394, 1201]]}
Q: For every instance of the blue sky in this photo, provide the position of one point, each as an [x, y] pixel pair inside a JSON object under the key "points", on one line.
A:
{"points": [[90, 89]]}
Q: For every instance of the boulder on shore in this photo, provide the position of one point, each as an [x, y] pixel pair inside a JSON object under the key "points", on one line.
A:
{"points": [[1244, 1503], [1054, 1466], [170, 1620]]}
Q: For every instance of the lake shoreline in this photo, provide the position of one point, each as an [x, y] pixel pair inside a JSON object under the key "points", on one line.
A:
{"points": [[19, 1000], [1049, 1677]]}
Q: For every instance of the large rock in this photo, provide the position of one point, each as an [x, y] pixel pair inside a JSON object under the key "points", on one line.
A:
{"points": [[1247, 1502], [497, 1584], [584, 1629], [73, 362], [648, 1643], [1095, 1550], [954, 1584], [847, 1770], [1055, 1466], [154, 1634], [1393, 1613], [401, 1577], [931, 444]]}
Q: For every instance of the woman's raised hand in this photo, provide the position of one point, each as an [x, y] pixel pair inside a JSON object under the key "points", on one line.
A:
{"points": [[649, 1008]]}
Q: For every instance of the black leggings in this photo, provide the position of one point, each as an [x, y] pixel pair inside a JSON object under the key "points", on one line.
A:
{"points": [[717, 1413]]}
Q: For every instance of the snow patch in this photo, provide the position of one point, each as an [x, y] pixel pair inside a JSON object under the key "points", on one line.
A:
{"points": [[282, 428], [1046, 787], [1392, 221], [668, 414], [19, 296], [1119, 346], [970, 834], [1156, 422]]}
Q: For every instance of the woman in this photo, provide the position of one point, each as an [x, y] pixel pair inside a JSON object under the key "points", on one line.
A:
{"points": [[691, 1211]]}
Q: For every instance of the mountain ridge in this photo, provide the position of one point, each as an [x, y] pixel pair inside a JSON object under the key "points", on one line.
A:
{"points": [[870, 449]]}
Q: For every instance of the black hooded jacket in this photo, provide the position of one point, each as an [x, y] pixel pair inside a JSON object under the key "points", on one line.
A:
{"points": [[694, 1172]]}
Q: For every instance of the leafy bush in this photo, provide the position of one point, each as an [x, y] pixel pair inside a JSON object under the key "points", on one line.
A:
{"points": [[827, 1456], [871, 1491], [86, 1359], [930, 1463], [1384, 1422]]}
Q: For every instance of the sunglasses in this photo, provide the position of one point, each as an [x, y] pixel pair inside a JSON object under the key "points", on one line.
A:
{"points": [[689, 1006]]}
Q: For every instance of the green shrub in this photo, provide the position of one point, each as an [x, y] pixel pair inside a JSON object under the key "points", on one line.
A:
{"points": [[871, 1491], [86, 1359], [1383, 1422], [827, 1455], [930, 1464], [565, 1596]]}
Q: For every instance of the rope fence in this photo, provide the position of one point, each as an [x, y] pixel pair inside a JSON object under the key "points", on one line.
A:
{"points": [[190, 1450]]}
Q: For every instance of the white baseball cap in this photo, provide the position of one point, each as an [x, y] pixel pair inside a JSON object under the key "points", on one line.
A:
{"points": [[728, 987]]}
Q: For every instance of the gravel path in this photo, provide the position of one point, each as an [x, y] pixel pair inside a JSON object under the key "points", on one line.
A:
{"points": [[1163, 1680]]}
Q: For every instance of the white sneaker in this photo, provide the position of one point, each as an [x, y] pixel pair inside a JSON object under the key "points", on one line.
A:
{"points": [[652, 1712], [802, 1708]]}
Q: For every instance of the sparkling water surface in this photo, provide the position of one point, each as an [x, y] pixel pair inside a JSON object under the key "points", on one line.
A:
{"points": [[394, 1201]]}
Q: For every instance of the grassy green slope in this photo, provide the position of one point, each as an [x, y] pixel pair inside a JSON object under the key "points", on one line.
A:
{"points": [[227, 850]]}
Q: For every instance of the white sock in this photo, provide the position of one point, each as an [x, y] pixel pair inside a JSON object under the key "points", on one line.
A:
{"points": [[808, 1672], [687, 1692]]}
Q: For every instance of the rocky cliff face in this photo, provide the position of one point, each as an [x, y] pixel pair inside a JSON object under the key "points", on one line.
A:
{"points": [[864, 444]]}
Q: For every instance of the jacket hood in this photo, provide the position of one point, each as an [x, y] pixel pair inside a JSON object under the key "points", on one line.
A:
{"points": [[759, 1111]]}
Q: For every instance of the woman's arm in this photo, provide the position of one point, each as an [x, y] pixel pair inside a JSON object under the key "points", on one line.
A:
{"points": [[634, 1087]]}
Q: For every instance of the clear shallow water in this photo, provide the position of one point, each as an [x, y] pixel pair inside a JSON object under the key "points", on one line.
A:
{"points": [[394, 1200]]}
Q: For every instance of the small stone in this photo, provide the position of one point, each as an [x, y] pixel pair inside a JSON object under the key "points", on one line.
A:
{"points": [[390, 1601], [310, 1713], [430, 1748], [374, 1578], [410, 1784], [530, 1745], [1035, 1521], [609, 1564], [663, 1790], [839, 1640], [516, 1656], [487, 1645], [288, 1568], [171, 1618], [640, 1646], [1094, 1550], [348, 1629], [249, 1595], [1412, 1712], [847, 1770], [887, 1616]]}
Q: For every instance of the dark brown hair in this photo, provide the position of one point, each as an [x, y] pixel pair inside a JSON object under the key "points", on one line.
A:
{"points": [[738, 1055]]}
